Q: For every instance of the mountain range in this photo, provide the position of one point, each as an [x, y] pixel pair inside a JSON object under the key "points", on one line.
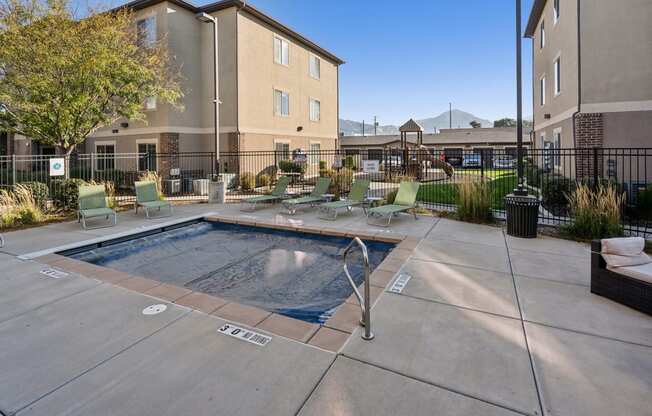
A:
{"points": [[461, 119]]}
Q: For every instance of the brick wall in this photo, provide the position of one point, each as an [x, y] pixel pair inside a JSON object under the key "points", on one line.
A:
{"points": [[169, 146], [589, 134]]}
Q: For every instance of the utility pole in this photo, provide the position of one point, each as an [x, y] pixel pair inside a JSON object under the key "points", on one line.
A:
{"points": [[375, 125], [362, 128], [519, 104], [450, 115]]}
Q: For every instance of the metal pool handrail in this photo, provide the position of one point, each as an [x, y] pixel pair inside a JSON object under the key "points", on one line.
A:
{"points": [[365, 304]]}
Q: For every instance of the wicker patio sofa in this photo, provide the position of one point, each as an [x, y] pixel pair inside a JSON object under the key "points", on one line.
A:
{"points": [[628, 285]]}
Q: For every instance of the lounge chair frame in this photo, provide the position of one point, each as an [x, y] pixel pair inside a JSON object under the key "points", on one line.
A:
{"points": [[385, 220], [150, 203], [329, 211], [315, 198], [278, 194], [93, 197], [382, 216]]}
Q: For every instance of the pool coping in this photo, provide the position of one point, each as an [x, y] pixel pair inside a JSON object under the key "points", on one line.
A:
{"points": [[331, 336]]}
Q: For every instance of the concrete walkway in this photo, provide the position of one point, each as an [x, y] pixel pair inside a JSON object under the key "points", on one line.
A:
{"points": [[486, 325]]}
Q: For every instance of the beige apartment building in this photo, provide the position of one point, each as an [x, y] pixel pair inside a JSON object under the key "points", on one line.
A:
{"points": [[592, 76], [278, 90]]}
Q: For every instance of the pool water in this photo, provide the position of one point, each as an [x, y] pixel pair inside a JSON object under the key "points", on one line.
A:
{"points": [[294, 274]]}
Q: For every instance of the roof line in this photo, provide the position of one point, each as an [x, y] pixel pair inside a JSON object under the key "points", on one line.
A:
{"points": [[533, 20], [241, 5]]}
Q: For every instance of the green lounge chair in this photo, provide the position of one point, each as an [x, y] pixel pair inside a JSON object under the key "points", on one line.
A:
{"points": [[276, 195], [405, 200], [148, 198], [92, 204], [315, 197], [355, 197]]}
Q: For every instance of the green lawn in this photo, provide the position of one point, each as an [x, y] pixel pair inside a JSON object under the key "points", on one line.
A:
{"points": [[445, 193]]}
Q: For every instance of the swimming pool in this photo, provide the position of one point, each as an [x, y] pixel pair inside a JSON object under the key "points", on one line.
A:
{"points": [[295, 274]]}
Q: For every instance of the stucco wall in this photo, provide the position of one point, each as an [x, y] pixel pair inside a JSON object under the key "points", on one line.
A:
{"points": [[259, 75], [561, 41], [616, 51]]}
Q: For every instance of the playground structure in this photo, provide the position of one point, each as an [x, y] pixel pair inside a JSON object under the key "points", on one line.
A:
{"points": [[417, 159]]}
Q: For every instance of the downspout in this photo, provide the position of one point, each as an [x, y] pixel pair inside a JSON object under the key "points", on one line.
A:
{"points": [[579, 73], [337, 135], [237, 79]]}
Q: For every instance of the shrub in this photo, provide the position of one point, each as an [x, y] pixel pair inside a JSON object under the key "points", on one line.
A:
{"points": [[532, 174], [474, 202], [18, 207], [40, 192], [264, 180], [391, 196], [596, 213], [322, 165], [644, 203], [289, 166], [340, 181], [555, 190], [247, 181], [65, 192], [349, 163]]}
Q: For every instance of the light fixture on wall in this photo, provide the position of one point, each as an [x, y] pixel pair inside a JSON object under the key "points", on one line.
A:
{"points": [[299, 128]]}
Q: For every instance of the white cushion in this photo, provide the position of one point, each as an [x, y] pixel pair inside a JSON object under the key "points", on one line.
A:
{"points": [[621, 252], [629, 246], [642, 272]]}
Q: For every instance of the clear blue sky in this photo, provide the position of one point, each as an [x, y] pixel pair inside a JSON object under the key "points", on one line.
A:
{"points": [[409, 59]]}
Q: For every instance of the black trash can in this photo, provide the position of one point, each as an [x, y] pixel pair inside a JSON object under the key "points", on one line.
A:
{"points": [[522, 215]]}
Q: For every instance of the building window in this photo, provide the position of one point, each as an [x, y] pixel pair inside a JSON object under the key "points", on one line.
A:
{"points": [[315, 108], [147, 156], [281, 51], [146, 31], [282, 150], [557, 76], [150, 103], [315, 67], [542, 86], [555, 8], [375, 154], [313, 158], [105, 156], [556, 139], [543, 35], [281, 103]]}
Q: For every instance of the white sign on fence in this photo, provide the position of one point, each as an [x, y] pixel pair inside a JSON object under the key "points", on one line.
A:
{"points": [[371, 166], [57, 166]]}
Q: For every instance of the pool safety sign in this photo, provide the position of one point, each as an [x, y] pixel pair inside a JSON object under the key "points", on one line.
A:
{"points": [[54, 273], [245, 334], [400, 283], [371, 166], [57, 166]]}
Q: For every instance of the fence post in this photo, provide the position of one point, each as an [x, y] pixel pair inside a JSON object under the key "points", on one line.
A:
{"points": [[482, 165], [93, 157], [595, 167], [13, 169]]}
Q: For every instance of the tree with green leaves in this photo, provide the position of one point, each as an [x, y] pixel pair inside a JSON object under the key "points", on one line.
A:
{"points": [[505, 122], [62, 78]]}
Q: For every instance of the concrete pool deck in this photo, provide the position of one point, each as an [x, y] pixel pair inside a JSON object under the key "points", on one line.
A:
{"points": [[486, 325]]}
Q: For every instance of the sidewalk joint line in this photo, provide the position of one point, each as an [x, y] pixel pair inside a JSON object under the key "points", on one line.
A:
{"points": [[527, 343]]}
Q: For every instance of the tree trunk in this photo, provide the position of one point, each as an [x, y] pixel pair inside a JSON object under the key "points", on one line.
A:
{"points": [[68, 152]]}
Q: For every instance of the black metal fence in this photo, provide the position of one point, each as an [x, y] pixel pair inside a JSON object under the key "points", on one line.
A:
{"points": [[551, 174]]}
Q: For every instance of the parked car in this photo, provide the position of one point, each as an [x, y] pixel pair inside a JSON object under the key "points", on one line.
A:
{"points": [[471, 161], [504, 162], [392, 162]]}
